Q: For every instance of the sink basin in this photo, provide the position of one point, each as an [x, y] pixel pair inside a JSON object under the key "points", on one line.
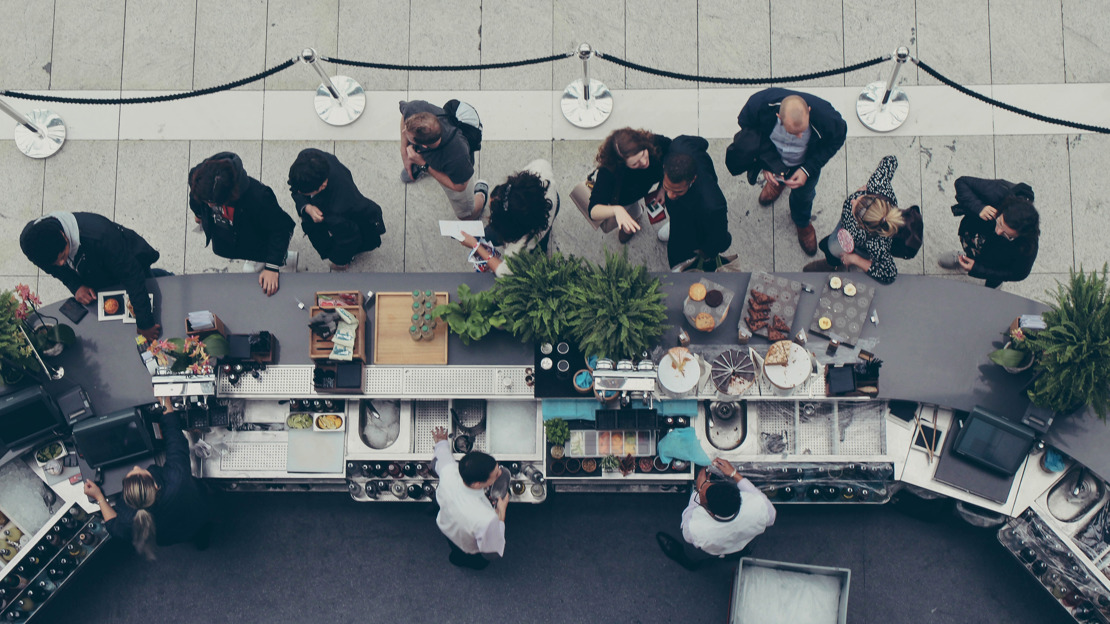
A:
{"points": [[725, 424], [1075, 495], [379, 423]]}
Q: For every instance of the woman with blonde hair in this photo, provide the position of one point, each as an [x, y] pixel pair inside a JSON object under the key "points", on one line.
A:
{"points": [[162, 505], [629, 165], [869, 220]]}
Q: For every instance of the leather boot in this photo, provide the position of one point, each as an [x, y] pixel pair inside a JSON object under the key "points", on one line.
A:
{"points": [[808, 239]]}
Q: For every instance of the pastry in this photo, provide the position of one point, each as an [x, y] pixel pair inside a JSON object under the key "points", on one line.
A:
{"points": [[774, 334], [755, 324], [824, 322], [714, 298], [778, 354], [762, 298], [780, 325], [697, 292], [850, 290], [759, 315], [834, 282], [111, 306], [755, 305], [704, 321]]}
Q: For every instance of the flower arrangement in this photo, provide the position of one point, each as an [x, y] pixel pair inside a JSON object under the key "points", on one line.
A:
{"points": [[23, 329], [190, 355], [1016, 353]]}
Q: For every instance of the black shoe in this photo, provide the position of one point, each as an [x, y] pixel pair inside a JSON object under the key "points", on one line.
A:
{"points": [[820, 266], [753, 176], [673, 549], [203, 537], [461, 560]]}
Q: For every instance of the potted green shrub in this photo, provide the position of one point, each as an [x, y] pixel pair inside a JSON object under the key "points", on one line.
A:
{"points": [[1073, 351], [535, 298], [617, 311], [472, 315], [557, 432]]}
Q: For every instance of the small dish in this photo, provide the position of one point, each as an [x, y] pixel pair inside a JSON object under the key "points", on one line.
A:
{"points": [[299, 421], [328, 422]]}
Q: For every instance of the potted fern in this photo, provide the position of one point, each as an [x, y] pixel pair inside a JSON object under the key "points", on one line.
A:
{"points": [[535, 298], [617, 311], [472, 315], [1073, 351]]}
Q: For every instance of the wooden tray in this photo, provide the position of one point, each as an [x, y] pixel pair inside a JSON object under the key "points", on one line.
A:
{"points": [[392, 343], [786, 293], [320, 349]]}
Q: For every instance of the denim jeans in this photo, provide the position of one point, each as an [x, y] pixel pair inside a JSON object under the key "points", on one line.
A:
{"points": [[801, 200]]}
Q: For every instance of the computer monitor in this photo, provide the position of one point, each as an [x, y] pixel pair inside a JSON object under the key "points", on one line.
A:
{"points": [[113, 438], [993, 442], [28, 416]]}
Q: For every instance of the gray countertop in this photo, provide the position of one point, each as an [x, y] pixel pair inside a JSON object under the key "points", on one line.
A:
{"points": [[933, 337]]}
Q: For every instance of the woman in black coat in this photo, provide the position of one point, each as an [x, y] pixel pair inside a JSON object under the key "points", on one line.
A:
{"points": [[999, 233], [629, 164], [240, 216]]}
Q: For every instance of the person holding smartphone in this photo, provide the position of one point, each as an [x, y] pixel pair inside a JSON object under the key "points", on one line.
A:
{"points": [[999, 233], [721, 519]]}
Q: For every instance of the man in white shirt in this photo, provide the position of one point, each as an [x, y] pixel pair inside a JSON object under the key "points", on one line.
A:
{"points": [[720, 520], [474, 527]]}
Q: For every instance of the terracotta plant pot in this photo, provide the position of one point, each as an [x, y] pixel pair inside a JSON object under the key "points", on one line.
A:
{"points": [[645, 464], [587, 389], [557, 468], [589, 465], [572, 465]]}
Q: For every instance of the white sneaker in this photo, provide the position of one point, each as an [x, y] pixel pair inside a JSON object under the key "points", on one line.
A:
{"points": [[291, 261], [664, 232], [950, 261], [253, 267]]}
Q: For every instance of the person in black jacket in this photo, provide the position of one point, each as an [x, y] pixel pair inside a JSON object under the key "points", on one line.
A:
{"points": [[789, 136], [698, 211], [87, 252], [999, 232], [629, 165], [339, 221], [240, 216], [162, 505]]}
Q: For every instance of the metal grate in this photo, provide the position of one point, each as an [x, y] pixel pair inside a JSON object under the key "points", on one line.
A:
{"points": [[283, 381], [471, 412], [427, 415], [862, 427], [254, 457], [814, 434], [383, 380], [776, 420], [465, 381]]}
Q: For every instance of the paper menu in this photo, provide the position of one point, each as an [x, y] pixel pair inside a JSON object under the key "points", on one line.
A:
{"points": [[454, 229]]}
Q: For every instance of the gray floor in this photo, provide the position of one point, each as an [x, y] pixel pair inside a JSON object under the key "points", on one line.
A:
{"points": [[576, 558]]}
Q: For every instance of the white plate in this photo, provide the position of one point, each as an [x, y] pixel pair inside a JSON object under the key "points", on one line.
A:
{"points": [[677, 382], [797, 370]]}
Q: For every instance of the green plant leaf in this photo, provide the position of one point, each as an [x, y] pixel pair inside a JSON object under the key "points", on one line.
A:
{"points": [[216, 345]]}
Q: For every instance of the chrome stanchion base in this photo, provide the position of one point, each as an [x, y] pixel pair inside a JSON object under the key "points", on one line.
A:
{"points": [[585, 113], [31, 144], [331, 110], [874, 115]]}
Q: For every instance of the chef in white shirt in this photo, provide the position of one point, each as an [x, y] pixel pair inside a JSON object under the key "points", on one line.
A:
{"points": [[474, 527], [720, 519]]}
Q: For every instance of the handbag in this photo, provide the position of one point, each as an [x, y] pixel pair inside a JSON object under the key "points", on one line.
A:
{"points": [[581, 198]]}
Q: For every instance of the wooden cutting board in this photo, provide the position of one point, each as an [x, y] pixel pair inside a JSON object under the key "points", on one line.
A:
{"points": [[392, 343]]}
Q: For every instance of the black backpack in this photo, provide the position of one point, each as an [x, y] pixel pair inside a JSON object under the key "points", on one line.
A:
{"points": [[465, 117], [907, 241]]}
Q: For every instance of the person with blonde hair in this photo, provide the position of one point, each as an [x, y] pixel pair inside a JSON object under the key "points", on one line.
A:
{"points": [[868, 222], [162, 505]]}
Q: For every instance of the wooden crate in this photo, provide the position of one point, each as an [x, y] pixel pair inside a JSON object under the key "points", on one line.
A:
{"points": [[320, 349], [325, 293], [392, 343], [221, 329]]}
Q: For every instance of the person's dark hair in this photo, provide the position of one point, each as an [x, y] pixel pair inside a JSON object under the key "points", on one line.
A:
{"points": [[1022, 216], [722, 500], [139, 493], [680, 168], [425, 128], [622, 143], [476, 467], [519, 207], [215, 181], [308, 172], [42, 242]]}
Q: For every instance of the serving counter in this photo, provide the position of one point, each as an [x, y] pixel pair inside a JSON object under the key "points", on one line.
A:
{"points": [[932, 336]]}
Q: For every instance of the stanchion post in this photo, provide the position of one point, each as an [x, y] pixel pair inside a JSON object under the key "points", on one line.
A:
{"points": [[340, 100], [586, 103], [39, 134], [882, 107]]}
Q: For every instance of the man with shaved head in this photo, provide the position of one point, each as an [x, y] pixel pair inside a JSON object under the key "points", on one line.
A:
{"points": [[788, 136]]}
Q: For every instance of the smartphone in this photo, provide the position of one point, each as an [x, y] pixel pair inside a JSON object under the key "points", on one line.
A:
{"points": [[73, 310]]}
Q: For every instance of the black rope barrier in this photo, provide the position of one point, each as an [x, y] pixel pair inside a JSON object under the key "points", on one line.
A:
{"points": [[741, 81], [1013, 109], [392, 66], [154, 98]]}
